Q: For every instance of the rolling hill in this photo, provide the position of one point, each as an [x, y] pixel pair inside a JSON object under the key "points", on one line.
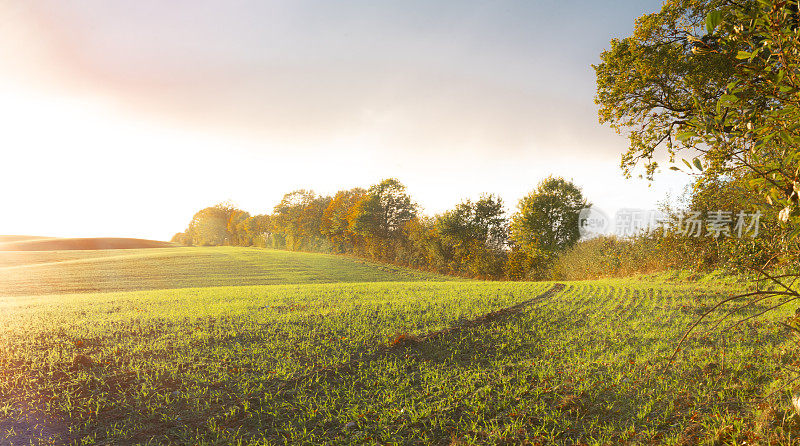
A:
{"points": [[82, 271], [33, 243]]}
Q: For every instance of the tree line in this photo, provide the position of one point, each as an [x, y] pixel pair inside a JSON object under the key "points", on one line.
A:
{"points": [[475, 239]]}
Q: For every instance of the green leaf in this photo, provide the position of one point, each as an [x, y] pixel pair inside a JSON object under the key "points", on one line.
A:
{"points": [[787, 138], [674, 168], [743, 55], [728, 99], [682, 136], [713, 19], [687, 163], [698, 164]]}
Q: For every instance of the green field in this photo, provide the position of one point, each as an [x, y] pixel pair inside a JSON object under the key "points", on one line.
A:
{"points": [[328, 350], [57, 272]]}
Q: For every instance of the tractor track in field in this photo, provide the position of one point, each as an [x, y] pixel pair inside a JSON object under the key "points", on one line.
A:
{"points": [[401, 344], [503, 313], [286, 388], [407, 341]]}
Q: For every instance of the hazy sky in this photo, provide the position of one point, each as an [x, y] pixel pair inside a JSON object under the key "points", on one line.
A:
{"points": [[123, 118]]}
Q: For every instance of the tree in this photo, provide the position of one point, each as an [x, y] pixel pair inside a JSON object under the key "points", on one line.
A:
{"points": [[651, 83], [474, 236], [255, 230], [311, 225], [182, 238], [287, 216], [483, 221], [384, 210], [758, 117], [209, 226], [546, 222], [337, 220], [235, 236], [424, 245], [380, 216], [297, 220], [719, 79]]}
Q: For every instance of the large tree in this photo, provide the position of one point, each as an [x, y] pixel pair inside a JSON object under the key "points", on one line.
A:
{"points": [[483, 221], [651, 84], [209, 226], [547, 219], [719, 80], [474, 236], [384, 210], [743, 119]]}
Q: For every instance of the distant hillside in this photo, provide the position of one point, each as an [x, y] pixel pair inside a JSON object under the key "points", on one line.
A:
{"points": [[31, 243], [17, 238], [81, 271]]}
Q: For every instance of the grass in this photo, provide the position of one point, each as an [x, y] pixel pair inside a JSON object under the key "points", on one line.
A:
{"points": [[74, 271], [424, 362]]}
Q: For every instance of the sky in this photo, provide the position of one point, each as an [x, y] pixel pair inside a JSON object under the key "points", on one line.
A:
{"points": [[123, 118]]}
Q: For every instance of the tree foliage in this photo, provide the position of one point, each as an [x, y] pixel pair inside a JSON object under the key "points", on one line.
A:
{"points": [[482, 221], [651, 84], [383, 223], [474, 236], [384, 211], [255, 231], [547, 219], [719, 80], [338, 220], [296, 220], [210, 226]]}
